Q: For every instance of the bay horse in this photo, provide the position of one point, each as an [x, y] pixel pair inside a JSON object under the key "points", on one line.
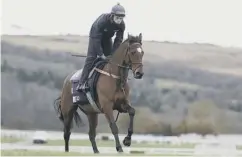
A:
{"points": [[112, 93]]}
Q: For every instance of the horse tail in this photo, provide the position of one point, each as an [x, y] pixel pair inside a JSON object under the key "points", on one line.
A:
{"points": [[57, 108], [77, 119]]}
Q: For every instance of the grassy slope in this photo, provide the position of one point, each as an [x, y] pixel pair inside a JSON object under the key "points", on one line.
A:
{"points": [[204, 56]]}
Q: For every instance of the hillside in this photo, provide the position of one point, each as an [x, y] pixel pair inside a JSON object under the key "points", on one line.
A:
{"points": [[187, 84]]}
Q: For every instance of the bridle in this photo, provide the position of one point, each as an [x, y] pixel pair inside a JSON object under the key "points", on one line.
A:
{"points": [[129, 65], [124, 67]]}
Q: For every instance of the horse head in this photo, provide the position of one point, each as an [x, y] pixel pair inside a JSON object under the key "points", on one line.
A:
{"points": [[134, 55], [129, 55]]}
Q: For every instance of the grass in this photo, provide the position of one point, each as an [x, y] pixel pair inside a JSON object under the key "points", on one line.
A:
{"points": [[22, 152], [5, 139], [239, 147], [167, 83], [101, 143]]}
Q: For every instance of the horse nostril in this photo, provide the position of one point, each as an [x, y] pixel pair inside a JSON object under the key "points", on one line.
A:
{"points": [[139, 74]]}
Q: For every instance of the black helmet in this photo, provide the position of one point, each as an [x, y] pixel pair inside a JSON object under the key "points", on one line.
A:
{"points": [[118, 10]]}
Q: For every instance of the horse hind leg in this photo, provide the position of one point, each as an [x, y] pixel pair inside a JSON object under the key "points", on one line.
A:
{"points": [[67, 127], [93, 121]]}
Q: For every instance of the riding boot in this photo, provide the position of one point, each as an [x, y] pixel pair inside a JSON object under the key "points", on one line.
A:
{"points": [[83, 85]]}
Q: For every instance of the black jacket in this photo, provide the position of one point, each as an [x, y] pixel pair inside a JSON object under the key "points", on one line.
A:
{"points": [[104, 29]]}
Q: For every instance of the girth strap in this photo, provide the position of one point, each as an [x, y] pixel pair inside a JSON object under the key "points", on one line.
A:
{"points": [[106, 73]]}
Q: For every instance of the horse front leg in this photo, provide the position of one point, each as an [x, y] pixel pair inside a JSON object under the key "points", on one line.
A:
{"points": [[127, 139], [108, 111]]}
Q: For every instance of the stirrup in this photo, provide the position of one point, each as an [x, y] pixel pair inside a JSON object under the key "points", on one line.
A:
{"points": [[85, 86], [82, 87]]}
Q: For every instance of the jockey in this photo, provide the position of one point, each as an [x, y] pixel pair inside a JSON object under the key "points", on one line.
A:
{"points": [[100, 39]]}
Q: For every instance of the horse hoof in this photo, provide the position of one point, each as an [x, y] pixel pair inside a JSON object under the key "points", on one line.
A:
{"points": [[96, 152], [127, 141], [119, 149]]}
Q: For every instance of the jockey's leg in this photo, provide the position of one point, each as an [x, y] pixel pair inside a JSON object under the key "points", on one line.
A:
{"points": [[93, 49], [87, 68], [107, 45]]}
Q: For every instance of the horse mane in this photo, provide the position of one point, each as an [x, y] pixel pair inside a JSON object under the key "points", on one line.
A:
{"points": [[132, 39]]}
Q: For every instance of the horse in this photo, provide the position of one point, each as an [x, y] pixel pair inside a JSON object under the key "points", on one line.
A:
{"points": [[110, 91]]}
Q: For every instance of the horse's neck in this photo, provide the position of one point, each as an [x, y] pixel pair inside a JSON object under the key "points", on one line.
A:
{"points": [[119, 54], [118, 58], [116, 63]]}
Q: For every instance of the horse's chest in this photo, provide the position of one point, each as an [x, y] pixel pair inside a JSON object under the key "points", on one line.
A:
{"points": [[119, 96]]}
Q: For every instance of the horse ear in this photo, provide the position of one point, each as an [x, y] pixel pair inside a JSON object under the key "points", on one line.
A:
{"points": [[129, 36], [140, 36]]}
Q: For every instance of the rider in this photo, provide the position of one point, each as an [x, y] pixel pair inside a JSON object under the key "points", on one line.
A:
{"points": [[100, 39]]}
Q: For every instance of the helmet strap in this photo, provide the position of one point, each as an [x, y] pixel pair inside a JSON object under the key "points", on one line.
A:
{"points": [[111, 18]]}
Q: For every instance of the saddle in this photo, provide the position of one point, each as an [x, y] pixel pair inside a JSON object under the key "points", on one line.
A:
{"points": [[81, 98]]}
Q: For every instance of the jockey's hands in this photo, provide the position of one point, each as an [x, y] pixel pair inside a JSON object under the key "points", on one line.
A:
{"points": [[108, 57], [102, 56], [105, 57]]}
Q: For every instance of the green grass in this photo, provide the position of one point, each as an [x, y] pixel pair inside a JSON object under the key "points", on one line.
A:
{"points": [[167, 83], [21, 152], [239, 147], [101, 143], [5, 139]]}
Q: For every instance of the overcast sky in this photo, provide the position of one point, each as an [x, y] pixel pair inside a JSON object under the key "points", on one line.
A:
{"points": [[211, 21]]}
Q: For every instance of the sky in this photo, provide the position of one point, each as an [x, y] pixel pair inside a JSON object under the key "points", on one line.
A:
{"points": [[205, 21]]}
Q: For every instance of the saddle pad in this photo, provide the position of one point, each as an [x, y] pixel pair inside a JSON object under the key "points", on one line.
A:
{"points": [[78, 98], [76, 76], [92, 82]]}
